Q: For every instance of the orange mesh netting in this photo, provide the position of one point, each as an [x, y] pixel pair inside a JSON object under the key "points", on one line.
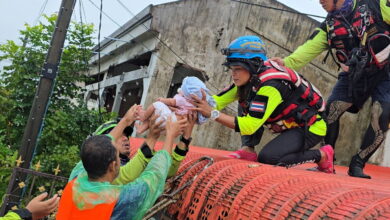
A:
{"points": [[239, 189]]}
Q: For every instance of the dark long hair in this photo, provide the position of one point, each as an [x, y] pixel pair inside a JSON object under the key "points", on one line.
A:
{"points": [[243, 92], [254, 66]]}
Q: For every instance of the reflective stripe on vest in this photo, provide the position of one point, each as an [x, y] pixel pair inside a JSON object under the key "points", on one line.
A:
{"points": [[305, 102]]}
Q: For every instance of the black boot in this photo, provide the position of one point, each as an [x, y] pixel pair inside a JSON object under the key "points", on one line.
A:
{"points": [[356, 168]]}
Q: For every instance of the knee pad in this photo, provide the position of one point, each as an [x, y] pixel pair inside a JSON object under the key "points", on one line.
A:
{"points": [[335, 109]]}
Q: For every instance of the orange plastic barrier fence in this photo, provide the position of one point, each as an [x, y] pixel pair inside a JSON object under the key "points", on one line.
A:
{"points": [[239, 189]]}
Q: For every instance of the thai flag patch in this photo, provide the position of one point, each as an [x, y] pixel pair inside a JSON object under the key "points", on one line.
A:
{"points": [[257, 106]]}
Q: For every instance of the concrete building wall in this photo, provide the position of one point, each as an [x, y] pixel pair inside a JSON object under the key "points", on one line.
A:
{"points": [[386, 154], [127, 61], [197, 29]]}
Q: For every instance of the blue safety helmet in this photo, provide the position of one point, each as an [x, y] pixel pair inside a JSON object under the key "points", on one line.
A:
{"points": [[246, 51], [246, 47]]}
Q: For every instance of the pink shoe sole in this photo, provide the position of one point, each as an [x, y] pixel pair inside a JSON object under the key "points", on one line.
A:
{"points": [[244, 155], [327, 166]]}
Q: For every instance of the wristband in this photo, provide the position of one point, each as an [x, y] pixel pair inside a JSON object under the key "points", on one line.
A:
{"points": [[180, 151], [186, 141], [145, 149]]}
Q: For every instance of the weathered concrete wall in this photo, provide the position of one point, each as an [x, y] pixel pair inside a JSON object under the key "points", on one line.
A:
{"points": [[386, 154], [197, 29]]}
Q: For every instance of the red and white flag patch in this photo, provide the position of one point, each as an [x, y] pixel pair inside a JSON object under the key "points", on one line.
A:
{"points": [[257, 106]]}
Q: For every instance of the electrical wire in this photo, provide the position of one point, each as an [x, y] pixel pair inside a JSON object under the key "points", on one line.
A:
{"points": [[82, 44], [215, 88], [121, 28], [85, 15], [278, 9], [175, 53], [99, 64], [162, 42], [40, 12]]}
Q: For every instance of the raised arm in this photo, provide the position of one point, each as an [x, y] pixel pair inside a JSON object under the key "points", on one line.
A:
{"points": [[305, 53], [385, 10], [182, 147], [137, 197], [130, 116], [267, 96], [137, 164]]}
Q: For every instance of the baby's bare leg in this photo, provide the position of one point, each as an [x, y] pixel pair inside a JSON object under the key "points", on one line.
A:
{"points": [[168, 101], [145, 115], [142, 126]]}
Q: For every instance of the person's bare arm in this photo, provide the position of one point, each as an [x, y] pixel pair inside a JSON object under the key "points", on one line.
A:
{"points": [[173, 129], [205, 109], [154, 131], [130, 116], [145, 115], [191, 120]]}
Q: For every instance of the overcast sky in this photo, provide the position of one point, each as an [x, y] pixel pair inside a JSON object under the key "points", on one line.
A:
{"points": [[15, 13]]}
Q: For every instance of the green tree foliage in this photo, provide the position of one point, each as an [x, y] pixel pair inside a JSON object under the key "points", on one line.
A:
{"points": [[68, 122]]}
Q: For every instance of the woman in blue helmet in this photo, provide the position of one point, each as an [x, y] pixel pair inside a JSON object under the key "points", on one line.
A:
{"points": [[276, 97]]}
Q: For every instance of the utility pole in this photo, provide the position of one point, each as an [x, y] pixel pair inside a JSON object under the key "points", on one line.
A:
{"points": [[41, 100], [46, 83]]}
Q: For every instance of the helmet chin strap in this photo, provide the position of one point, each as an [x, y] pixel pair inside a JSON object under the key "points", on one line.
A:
{"points": [[255, 66]]}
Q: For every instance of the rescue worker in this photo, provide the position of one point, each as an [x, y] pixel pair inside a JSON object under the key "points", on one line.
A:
{"points": [[141, 159], [358, 31], [124, 145], [91, 193], [274, 96]]}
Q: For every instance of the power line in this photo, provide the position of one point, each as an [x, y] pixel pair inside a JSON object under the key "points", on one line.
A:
{"points": [[120, 27], [82, 44], [278, 9], [40, 12], [153, 34], [288, 50], [99, 64], [85, 14], [105, 14], [164, 44]]}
